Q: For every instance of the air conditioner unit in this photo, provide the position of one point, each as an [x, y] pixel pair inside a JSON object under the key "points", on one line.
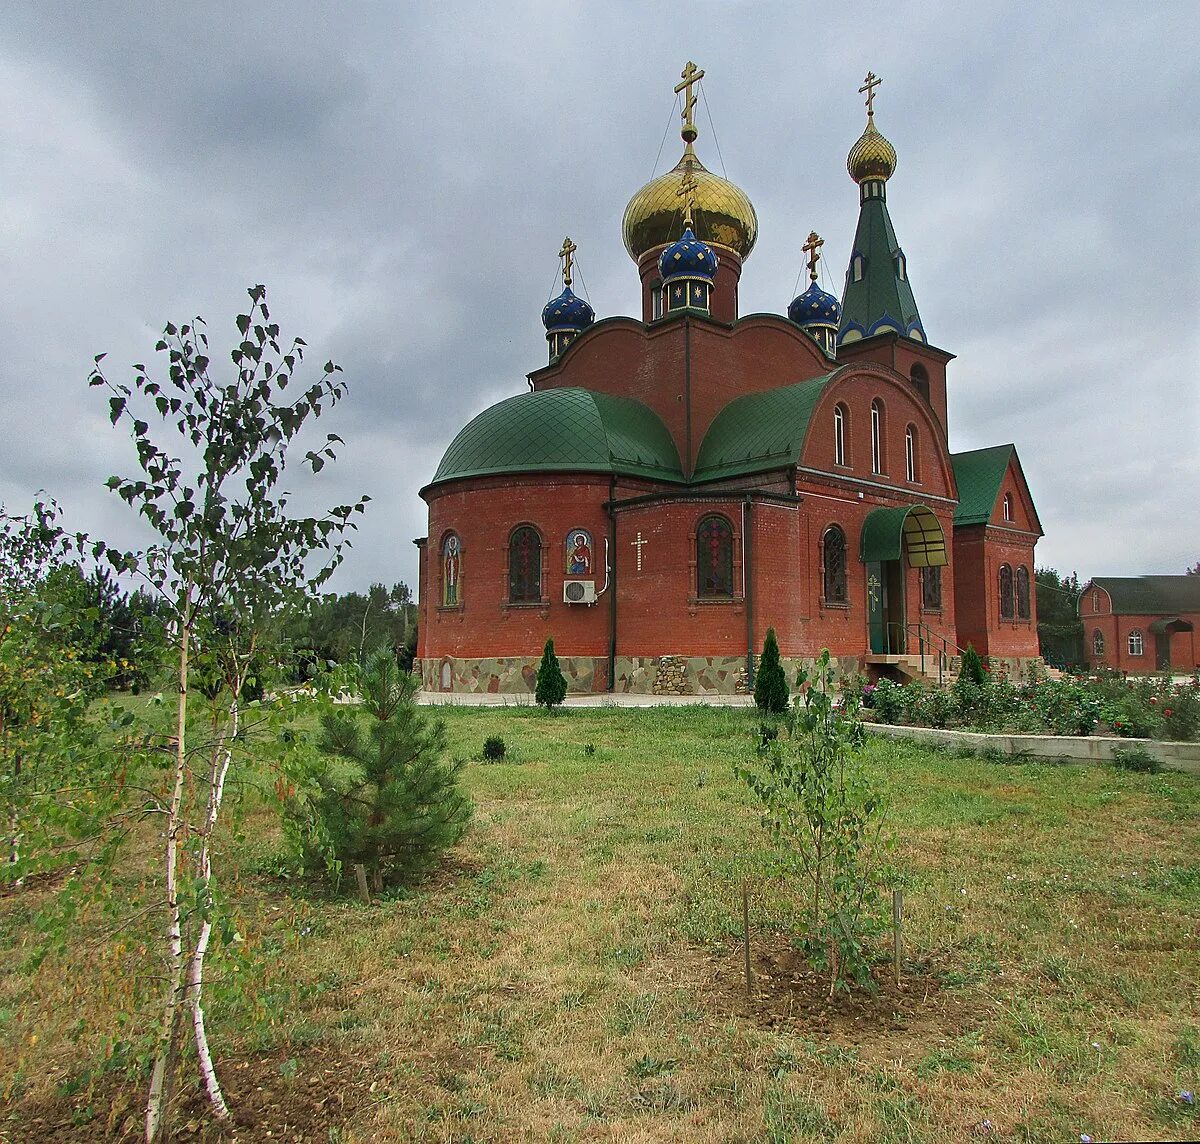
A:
{"points": [[579, 591]]}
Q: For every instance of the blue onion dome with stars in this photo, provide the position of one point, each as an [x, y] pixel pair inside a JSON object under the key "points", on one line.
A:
{"points": [[688, 257], [815, 307], [567, 312]]}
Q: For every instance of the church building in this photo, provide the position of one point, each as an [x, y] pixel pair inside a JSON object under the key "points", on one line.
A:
{"points": [[672, 485]]}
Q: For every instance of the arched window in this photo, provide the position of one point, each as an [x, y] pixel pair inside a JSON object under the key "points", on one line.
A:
{"points": [[1095, 601], [931, 588], [833, 565], [451, 570], [1136, 644], [857, 265], [910, 453], [839, 434], [877, 436], [901, 268], [1098, 644], [656, 301], [714, 557], [524, 566], [1022, 593], [920, 379], [1008, 506], [1006, 592]]}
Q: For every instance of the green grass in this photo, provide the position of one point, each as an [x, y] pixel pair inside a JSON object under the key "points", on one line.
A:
{"points": [[561, 979]]}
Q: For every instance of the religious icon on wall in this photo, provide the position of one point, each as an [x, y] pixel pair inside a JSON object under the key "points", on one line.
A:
{"points": [[579, 552], [450, 570]]}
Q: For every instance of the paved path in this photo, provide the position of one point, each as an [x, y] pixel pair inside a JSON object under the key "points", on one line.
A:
{"points": [[604, 699]]}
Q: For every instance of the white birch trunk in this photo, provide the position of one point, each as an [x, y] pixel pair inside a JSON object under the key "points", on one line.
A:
{"points": [[222, 756], [158, 1097]]}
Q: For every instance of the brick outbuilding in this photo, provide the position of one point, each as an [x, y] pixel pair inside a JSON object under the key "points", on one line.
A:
{"points": [[1141, 624], [673, 486]]}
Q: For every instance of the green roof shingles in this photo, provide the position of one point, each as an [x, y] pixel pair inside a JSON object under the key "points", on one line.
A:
{"points": [[978, 475], [563, 430], [881, 292], [1151, 595], [759, 431]]}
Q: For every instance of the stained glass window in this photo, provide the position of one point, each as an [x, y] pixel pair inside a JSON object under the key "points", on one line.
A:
{"points": [[1098, 643], [525, 566], [1022, 593], [1006, 592], [833, 562], [451, 570], [931, 588], [714, 557]]}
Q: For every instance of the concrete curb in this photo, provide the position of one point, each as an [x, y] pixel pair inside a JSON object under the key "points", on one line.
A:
{"points": [[1053, 748]]}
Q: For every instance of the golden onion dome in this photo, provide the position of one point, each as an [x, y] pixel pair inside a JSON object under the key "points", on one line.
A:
{"points": [[872, 157], [723, 215]]}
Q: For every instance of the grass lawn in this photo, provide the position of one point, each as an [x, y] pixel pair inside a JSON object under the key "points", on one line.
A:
{"points": [[573, 972]]}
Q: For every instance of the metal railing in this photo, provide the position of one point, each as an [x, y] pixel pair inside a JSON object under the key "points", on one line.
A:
{"points": [[929, 643]]}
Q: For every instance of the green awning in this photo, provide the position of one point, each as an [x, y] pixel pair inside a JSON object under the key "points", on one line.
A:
{"points": [[1172, 624], [886, 531]]}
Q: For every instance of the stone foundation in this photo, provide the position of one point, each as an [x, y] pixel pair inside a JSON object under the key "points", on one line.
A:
{"points": [[644, 675]]}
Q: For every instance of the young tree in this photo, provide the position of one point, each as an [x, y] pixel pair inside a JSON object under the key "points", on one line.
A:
{"points": [[49, 670], [826, 822], [386, 797], [230, 556], [551, 685], [771, 694]]}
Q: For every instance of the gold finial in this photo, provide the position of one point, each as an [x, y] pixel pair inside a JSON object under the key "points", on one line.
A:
{"points": [[869, 85], [568, 248], [687, 191], [689, 76], [812, 248]]}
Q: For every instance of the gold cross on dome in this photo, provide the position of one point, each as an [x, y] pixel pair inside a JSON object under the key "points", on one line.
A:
{"points": [[812, 248], [568, 248], [687, 191], [690, 76], [869, 85]]}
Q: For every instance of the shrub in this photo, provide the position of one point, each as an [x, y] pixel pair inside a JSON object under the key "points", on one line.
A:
{"points": [[493, 749], [972, 669], [887, 701], [930, 707], [1135, 759], [826, 823], [771, 693], [551, 684], [382, 795]]}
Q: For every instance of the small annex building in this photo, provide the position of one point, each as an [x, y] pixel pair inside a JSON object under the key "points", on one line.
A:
{"points": [[1141, 624], [674, 484]]}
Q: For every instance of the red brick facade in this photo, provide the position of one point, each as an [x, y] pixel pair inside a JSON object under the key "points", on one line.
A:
{"points": [[1127, 642]]}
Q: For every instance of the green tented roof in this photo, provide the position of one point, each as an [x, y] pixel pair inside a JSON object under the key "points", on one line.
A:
{"points": [[1151, 595], [759, 431], [886, 529], [563, 430], [979, 475], [881, 298]]}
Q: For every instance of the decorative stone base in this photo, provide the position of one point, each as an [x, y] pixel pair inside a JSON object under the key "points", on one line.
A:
{"points": [[512, 675], [635, 675]]}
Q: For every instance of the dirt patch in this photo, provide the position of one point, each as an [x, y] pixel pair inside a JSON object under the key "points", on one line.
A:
{"points": [[787, 994], [42, 880], [284, 1096]]}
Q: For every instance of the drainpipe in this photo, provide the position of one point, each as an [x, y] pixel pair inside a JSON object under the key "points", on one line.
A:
{"points": [[611, 556], [748, 584]]}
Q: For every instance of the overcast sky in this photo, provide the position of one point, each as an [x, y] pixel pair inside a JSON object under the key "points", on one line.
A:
{"points": [[401, 176]]}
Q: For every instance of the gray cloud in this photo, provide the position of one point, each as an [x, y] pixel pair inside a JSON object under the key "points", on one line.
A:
{"points": [[401, 177]]}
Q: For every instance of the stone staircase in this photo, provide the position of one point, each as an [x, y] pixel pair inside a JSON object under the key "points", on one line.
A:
{"points": [[909, 668]]}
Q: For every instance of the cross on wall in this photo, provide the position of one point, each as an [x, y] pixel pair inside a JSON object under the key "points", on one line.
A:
{"points": [[638, 545]]}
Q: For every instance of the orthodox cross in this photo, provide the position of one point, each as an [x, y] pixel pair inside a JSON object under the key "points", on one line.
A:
{"points": [[568, 248], [869, 85], [638, 545], [687, 192], [689, 76], [812, 248]]}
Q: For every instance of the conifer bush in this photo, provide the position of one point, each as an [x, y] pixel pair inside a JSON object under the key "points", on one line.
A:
{"points": [[383, 793], [771, 694], [551, 683]]}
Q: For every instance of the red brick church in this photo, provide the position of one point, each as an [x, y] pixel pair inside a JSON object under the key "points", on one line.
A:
{"points": [[673, 485]]}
